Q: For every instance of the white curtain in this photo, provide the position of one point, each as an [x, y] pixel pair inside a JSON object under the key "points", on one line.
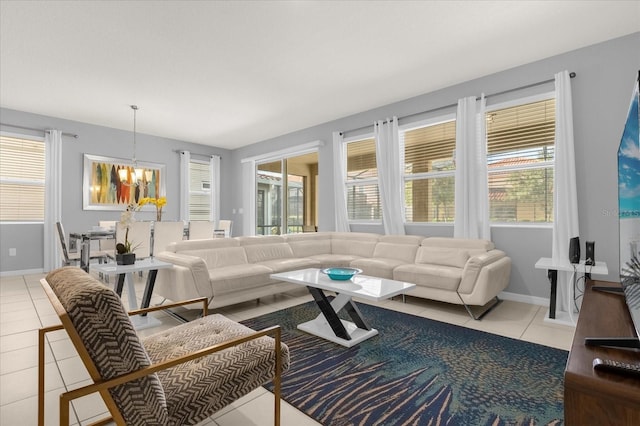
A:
{"points": [[565, 220], [185, 179], [390, 176], [471, 182], [214, 172], [52, 198], [249, 197], [339, 179]]}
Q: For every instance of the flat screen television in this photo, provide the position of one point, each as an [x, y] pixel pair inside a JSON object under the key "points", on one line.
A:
{"points": [[629, 207]]}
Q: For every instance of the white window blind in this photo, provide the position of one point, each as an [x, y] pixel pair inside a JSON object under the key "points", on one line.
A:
{"points": [[520, 155], [429, 172], [22, 171], [199, 191], [363, 197]]}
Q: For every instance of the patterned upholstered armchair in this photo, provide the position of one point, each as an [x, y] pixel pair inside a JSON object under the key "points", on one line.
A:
{"points": [[179, 376]]}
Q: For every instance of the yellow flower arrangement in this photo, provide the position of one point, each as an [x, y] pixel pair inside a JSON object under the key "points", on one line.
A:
{"points": [[158, 202]]}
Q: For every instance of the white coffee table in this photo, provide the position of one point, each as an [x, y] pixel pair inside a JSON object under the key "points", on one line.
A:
{"points": [[328, 325]]}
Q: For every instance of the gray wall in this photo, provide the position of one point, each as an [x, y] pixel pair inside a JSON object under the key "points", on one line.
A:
{"points": [[601, 93], [606, 73], [96, 140]]}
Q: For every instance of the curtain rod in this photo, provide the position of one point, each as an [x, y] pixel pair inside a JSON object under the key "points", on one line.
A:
{"points": [[195, 153], [527, 86], [73, 135]]}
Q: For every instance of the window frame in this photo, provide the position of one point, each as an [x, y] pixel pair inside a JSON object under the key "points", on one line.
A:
{"points": [[28, 182], [362, 182], [201, 192], [544, 96], [432, 121]]}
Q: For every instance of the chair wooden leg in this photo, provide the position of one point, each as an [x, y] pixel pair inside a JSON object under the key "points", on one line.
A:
{"points": [[41, 388], [41, 336], [277, 380]]}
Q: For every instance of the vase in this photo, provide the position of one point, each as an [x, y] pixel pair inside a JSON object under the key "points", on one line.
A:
{"points": [[125, 258]]}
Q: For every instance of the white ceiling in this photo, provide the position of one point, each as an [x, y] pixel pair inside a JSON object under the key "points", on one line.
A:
{"points": [[228, 74]]}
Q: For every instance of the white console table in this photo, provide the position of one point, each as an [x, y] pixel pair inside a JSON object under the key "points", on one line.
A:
{"points": [[600, 268], [125, 274]]}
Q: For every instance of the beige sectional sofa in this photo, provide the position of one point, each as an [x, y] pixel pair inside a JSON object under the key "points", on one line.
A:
{"points": [[233, 270]]}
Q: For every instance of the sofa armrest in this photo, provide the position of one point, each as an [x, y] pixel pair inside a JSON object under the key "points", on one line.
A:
{"points": [[191, 268], [473, 267]]}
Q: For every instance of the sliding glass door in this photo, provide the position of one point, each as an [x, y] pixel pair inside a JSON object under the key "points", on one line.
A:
{"points": [[286, 195]]}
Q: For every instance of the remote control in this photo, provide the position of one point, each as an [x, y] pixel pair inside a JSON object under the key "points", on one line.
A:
{"points": [[616, 366]]}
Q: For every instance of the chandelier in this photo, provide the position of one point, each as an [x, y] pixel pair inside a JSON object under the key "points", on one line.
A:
{"points": [[136, 177]]}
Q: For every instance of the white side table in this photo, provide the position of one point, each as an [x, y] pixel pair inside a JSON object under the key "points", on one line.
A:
{"points": [[600, 268], [125, 273]]}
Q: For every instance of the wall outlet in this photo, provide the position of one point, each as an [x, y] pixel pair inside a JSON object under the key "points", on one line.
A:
{"points": [[12, 252]]}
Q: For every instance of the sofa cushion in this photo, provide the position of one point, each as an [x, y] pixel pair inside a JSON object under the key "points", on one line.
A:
{"points": [[360, 248], [238, 277], [442, 256], [262, 252], [220, 257], [334, 260], [212, 243], [378, 267], [308, 248], [403, 252], [215, 384], [261, 239], [461, 243], [401, 239], [436, 276], [290, 264]]}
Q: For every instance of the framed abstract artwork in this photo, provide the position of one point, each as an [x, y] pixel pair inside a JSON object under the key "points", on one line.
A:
{"points": [[112, 183]]}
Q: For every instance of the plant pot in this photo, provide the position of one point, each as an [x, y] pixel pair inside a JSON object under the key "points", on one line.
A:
{"points": [[126, 258]]}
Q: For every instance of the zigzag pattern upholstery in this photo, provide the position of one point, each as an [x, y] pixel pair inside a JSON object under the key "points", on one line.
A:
{"points": [[196, 389], [183, 395], [112, 343]]}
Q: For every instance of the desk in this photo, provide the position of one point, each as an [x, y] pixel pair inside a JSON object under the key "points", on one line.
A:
{"points": [[600, 268], [593, 397], [125, 273], [328, 325], [85, 243]]}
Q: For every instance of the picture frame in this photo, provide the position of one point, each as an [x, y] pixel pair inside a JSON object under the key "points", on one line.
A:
{"points": [[102, 188]]}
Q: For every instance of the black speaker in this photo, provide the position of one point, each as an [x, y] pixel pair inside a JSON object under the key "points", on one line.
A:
{"points": [[574, 250], [590, 256]]}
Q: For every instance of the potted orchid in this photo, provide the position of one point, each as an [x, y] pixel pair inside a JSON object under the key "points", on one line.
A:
{"points": [[124, 251]]}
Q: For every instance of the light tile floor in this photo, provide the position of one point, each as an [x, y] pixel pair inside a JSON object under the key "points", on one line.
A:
{"points": [[24, 308]]}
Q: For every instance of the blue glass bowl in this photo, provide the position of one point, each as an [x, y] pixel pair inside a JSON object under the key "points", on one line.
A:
{"points": [[341, 274]]}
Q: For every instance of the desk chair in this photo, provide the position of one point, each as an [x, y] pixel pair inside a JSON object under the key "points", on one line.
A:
{"points": [[179, 376]]}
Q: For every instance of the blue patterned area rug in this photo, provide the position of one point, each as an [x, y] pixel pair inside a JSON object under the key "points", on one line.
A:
{"points": [[418, 371]]}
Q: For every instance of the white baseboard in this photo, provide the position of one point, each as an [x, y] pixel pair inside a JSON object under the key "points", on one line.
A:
{"points": [[524, 298], [22, 272]]}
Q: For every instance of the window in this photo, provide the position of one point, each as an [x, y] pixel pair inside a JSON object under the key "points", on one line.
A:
{"points": [[429, 172], [363, 197], [286, 194], [520, 155], [22, 171], [199, 190]]}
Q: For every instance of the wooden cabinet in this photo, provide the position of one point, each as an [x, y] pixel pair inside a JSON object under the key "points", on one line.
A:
{"points": [[594, 397]]}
